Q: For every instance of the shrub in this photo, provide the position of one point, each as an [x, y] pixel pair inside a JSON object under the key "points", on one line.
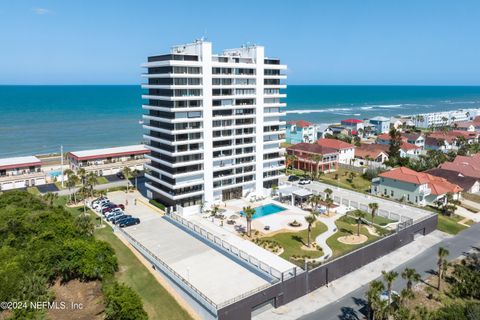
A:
{"points": [[87, 260], [157, 204], [122, 303]]}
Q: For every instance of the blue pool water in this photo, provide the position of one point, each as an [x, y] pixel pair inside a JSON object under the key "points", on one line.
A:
{"points": [[266, 210], [55, 173]]}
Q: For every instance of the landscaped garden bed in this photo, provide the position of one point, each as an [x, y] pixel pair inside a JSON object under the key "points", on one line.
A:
{"points": [[294, 244]]}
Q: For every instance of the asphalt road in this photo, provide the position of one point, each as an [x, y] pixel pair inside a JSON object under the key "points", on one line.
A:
{"points": [[352, 306]]}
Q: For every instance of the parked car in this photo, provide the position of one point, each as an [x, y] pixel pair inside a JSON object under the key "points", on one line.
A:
{"points": [[128, 222], [117, 219], [108, 208], [97, 205], [114, 214], [121, 206], [293, 178], [304, 181], [384, 295], [120, 175]]}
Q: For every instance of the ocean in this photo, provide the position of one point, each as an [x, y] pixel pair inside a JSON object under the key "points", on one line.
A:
{"points": [[38, 119]]}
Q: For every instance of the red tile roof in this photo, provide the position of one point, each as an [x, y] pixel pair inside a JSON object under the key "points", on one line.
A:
{"points": [[467, 166], [438, 185], [301, 123], [351, 120], [370, 150], [311, 148], [334, 144], [409, 146]]}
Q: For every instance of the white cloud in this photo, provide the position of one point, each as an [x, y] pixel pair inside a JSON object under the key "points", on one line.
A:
{"points": [[41, 11]]}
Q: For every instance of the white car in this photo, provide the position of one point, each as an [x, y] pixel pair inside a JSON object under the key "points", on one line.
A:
{"points": [[100, 204], [384, 295], [304, 181], [114, 212]]}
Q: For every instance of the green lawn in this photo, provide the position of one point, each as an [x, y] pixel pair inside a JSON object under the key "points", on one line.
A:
{"points": [[358, 183], [449, 224], [471, 197], [102, 180], [158, 303], [347, 226], [292, 241], [382, 221]]}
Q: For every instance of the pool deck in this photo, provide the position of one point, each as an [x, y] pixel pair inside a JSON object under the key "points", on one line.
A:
{"points": [[252, 249]]}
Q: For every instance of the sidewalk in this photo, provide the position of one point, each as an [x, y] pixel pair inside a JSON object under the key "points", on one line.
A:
{"points": [[467, 214], [354, 280]]}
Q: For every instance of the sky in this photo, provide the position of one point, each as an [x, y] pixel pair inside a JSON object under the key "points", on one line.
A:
{"points": [[359, 42]]}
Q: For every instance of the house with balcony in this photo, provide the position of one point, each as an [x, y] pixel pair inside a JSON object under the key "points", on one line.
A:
{"points": [[21, 172], [420, 188], [313, 157], [301, 131], [346, 151], [109, 161], [354, 126], [380, 124]]}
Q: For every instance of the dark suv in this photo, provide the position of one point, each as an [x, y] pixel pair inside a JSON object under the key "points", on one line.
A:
{"points": [[128, 222]]}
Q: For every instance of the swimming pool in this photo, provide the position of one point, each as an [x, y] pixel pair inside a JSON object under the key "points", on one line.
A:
{"points": [[55, 173], [266, 210]]}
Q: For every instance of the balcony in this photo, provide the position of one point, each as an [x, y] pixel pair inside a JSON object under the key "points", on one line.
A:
{"points": [[23, 176]]}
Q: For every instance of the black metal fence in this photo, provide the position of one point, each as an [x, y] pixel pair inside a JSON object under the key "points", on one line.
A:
{"points": [[303, 283]]}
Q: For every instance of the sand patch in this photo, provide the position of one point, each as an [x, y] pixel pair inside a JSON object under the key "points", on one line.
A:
{"points": [[353, 239]]}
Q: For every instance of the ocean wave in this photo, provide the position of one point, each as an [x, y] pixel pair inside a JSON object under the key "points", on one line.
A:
{"points": [[388, 106], [318, 110]]}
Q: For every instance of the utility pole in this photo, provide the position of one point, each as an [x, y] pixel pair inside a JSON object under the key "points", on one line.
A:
{"points": [[61, 165]]}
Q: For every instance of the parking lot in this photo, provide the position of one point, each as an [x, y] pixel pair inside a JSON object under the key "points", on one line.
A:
{"points": [[211, 272]]}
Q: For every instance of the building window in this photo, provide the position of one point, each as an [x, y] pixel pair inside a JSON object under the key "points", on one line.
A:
{"points": [[391, 193]]}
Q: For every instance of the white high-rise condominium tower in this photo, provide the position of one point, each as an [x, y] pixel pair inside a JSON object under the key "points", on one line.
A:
{"points": [[213, 124]]}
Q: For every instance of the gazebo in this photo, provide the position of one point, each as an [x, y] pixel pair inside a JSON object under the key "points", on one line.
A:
{"points": [[294, 193]]}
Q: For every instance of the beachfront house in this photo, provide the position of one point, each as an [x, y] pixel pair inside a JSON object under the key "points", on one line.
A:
{"points": [[419, 188], [301, 131], [443, 118], [313, 157], [21, 172], [380, 124], [354, 126], [346, 151], [109, 161]]}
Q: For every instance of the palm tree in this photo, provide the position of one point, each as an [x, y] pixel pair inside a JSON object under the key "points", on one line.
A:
{"points": [[249, 212], [411, 276], [441, 262], [374, 208], [310, 219], [81, 173], [127, 172], [373, 297], [72, 182], [91, 182], [135, 174], [84, 191], [389, 277], [50, 197], [328, 193], [328, 204], [317, 158], [359, 215], [68, 172]]}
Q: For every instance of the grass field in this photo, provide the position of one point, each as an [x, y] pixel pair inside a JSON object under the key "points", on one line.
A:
{"points": [[358, 183], [449, 224], [292, 241], [158, 303], [102, 180], [347, 226], [382, 221]]}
